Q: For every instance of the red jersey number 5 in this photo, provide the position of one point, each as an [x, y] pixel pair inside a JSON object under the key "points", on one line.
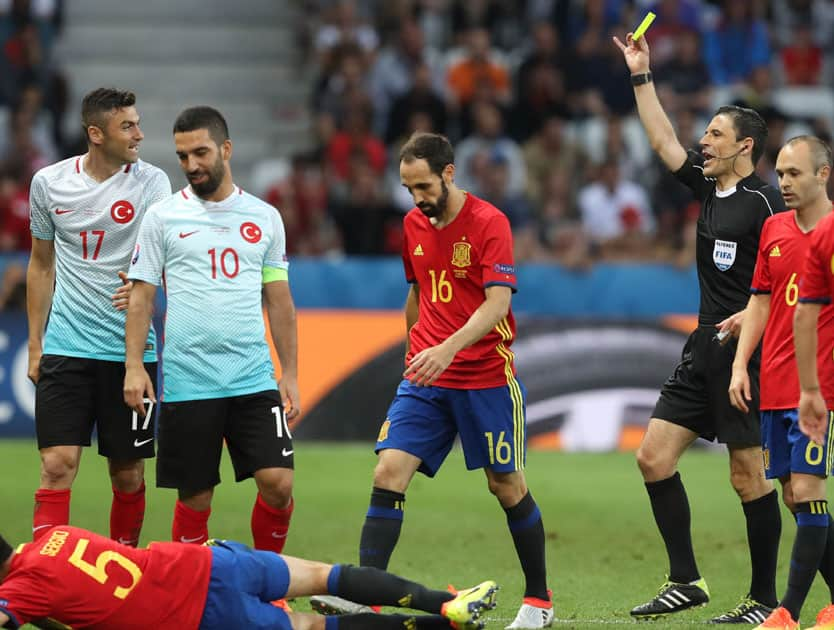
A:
{"points": [[98, 569]]}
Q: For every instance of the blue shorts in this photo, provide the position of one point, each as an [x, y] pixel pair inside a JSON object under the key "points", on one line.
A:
{"points": [[786, 450], [424, 421], [243, 582]]}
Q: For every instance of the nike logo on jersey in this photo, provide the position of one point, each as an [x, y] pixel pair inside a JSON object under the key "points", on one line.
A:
{"points": [[286, 452], [418, 251], [775, 251], [137, 443], [187, 234], [188, 541], [277, 535], [34, 529], [126, 541], [63, 210]]}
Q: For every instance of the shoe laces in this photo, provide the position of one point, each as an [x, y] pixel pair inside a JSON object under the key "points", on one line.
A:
{"points": [[743, 606]]}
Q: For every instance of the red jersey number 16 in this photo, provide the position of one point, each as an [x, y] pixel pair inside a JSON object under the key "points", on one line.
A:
{"points": [[440, 287]]}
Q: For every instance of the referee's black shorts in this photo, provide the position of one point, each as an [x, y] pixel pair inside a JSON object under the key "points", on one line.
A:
{"points": [[695, 396]]}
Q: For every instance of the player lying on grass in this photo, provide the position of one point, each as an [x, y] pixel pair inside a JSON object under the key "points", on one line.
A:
{"points": [[85, 580]]}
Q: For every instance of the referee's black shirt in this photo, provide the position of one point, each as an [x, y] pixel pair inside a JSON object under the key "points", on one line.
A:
{"points": [[728, 237]]}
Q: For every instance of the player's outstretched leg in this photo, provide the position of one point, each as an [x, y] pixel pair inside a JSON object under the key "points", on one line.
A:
{"points": [[367, 585], [372, 621]]}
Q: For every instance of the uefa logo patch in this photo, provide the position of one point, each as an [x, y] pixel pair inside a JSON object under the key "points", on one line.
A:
{"points": [[122, 211], [250, 232]]}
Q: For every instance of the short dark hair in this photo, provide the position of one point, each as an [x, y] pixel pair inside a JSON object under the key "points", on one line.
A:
{"points": [[820, 151], [5, 550], [431, 147], [203, 117], [100, 102], [747, 123]]}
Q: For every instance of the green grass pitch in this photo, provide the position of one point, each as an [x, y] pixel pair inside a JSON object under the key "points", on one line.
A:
{"points": [[603, 551]]}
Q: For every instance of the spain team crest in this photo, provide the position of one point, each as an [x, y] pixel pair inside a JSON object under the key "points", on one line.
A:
{"points": [[460, 254]]}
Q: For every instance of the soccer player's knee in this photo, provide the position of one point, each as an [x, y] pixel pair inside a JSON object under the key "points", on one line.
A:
{"points": [[127, 477], [787, 496], [652, 464], [278, 491], [747, 482], [388, 476], [307, 621], [58, 467], [508, 489]]}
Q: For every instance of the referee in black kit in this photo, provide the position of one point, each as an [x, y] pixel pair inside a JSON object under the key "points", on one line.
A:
{"points": [[694, 401]]}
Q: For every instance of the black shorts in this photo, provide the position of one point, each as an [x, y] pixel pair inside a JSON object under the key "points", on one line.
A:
{"points": [[73, 395], [191, 435], [695, 396]]}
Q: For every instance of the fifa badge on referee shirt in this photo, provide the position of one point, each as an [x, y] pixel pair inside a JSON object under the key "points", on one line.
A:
{"points": [[724, 254]]}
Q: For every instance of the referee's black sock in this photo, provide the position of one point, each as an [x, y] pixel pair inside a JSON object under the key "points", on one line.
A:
{"points": [[670, 506], [827, 561], [764, 527], [812, 520], [525, 522], [373, 621], [381, 530], [368, 585]]}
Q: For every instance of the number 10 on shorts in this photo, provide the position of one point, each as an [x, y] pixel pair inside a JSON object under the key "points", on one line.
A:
{"points": [[499, 451]]}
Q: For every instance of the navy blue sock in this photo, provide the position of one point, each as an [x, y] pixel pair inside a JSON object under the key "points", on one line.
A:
{"points": [[372, 586], [372, 621], [381, 530], [812, 520], [525, 522], [827, 562]]}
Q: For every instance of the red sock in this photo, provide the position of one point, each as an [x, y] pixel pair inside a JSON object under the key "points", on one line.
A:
{"points": [[270, 525], [127, 513], [52, 508], [190, 526]]}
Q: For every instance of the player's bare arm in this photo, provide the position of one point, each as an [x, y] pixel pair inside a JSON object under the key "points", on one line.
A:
{"points": [[412, 312], [280, 311], [138, 385], [755, 320], [659, 129], [121, 296], [429, 364], [40, 282], [813, 414], [4, 619]]}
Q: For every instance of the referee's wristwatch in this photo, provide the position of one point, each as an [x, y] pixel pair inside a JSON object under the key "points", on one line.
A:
{"points": [[641, 79]]}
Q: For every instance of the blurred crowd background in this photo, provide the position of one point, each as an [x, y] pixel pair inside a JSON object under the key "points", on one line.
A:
{"points": [[533, 93]]}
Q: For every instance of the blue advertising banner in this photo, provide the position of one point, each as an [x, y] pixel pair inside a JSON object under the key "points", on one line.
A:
{"points": [[17, 394]]}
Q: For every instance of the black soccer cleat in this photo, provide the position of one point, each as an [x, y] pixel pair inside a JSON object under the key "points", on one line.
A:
{"points": [[671, 598], [747, 611]]}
